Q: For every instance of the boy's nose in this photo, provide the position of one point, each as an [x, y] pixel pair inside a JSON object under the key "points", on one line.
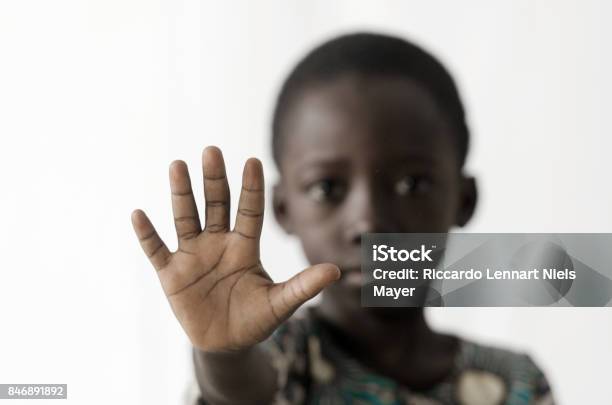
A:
{"points": [[367, 213]]}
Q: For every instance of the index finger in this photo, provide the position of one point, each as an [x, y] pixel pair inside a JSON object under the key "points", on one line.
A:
{"points": [[249, 219]]}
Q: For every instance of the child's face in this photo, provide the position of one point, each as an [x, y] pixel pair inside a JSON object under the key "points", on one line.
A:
{"points": [[367, 155]]}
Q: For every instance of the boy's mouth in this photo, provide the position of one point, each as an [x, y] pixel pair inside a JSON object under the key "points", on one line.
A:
{"points": [[351, 276]]}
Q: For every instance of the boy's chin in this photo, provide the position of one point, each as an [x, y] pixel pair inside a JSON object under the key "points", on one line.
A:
{"points": [[346, 293]]}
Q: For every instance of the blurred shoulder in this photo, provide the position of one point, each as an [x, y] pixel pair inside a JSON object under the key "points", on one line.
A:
{"points": [[500, 371]]}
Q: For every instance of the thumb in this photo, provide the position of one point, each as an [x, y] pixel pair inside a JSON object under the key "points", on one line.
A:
{"points": [[290, 295]]}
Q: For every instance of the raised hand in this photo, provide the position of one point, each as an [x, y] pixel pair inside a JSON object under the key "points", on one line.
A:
{"points": [[215, 282]]}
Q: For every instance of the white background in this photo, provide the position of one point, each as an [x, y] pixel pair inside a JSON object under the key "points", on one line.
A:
{"points": [[97, 97]]}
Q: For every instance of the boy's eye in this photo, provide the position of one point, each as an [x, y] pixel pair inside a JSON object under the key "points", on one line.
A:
{"points": [[327, 190], [412, 185]]}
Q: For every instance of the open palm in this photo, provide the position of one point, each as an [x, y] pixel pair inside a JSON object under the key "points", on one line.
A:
{"points": [[215, 282]]}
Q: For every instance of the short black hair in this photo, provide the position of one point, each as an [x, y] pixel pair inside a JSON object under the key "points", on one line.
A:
{"points": [[377, 55]]}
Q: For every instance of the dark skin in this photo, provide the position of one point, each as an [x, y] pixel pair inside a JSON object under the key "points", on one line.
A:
{"points": [[372, 155], [360, 154]]}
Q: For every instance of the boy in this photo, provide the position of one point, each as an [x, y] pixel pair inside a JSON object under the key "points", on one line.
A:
{"points": [[369, 135]]}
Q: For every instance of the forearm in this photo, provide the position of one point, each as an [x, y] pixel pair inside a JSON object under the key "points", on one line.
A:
{"points": [[245, 377]]}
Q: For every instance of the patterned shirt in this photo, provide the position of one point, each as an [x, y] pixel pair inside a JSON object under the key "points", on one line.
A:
{"points": [[313, 370]]}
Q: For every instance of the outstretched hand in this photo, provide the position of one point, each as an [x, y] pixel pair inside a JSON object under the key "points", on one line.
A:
{"points": [[215, 282]]}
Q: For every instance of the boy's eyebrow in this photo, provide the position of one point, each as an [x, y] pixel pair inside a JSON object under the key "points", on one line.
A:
{"points": [[323, 161], [334, 162], [412, 157]]}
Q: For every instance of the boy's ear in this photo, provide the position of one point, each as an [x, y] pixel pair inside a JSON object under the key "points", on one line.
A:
{"points": [[279, 204], [467, 200]]}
